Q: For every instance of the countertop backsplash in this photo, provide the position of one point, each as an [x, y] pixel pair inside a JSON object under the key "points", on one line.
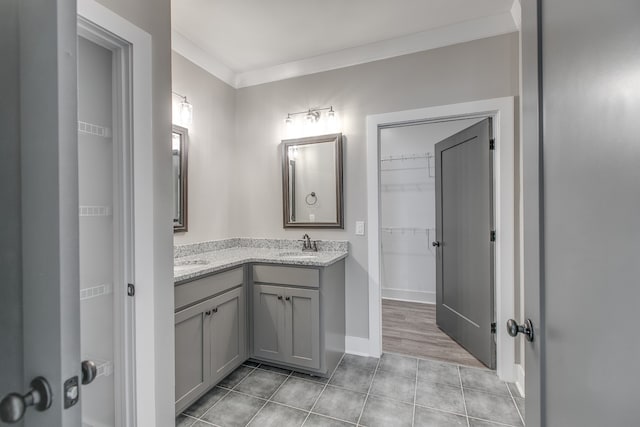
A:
{"points": [[248, 242]]}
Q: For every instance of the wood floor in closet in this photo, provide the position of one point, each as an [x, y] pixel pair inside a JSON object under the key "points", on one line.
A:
{"points": [[410, 328]]}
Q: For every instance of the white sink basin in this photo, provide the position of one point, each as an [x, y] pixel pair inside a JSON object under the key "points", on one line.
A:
{"points": [[298, 255]]}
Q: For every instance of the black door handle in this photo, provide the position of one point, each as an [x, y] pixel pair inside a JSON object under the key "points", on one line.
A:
{"points": [[435, 244], [89, 371], [14, 405], [514, 329]]}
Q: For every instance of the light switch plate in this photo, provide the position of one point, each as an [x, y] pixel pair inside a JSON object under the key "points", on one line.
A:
{"points": [[359, 228]]}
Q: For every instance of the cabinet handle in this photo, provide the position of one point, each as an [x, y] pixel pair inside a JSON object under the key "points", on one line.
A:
{"points": [[280, 297], [288, 298], [215, 310], [207, 313]]}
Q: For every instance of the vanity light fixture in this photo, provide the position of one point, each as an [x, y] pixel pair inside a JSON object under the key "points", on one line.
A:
{"points": [[185, 110], [312, 115]]}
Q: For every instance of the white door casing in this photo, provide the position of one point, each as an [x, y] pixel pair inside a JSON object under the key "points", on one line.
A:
{"points": [[502, 111], [141, 343]]}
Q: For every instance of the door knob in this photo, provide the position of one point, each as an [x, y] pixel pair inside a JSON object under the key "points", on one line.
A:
{"points": [[288, 298], [435, 244], [280, 297], [14, 405], [89, 371], [514, 329]]}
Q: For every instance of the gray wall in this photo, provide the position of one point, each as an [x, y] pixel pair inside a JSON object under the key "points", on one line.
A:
{"points": [[154, 16], [475, 70], [211, 137], [10, 237]]}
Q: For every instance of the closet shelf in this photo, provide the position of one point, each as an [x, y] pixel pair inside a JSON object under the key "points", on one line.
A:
{"points": [[94, 211], [429, 157], [87, 128], [407, 230], [95, 291], [405, 157]]}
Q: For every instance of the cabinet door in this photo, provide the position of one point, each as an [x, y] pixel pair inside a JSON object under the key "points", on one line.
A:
{"points": [[302, 327], [228, 333], [192, 354], [268, 322]]}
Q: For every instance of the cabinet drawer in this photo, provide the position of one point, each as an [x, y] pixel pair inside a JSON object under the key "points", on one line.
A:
{"points": [[191, 292], [296, 276]]}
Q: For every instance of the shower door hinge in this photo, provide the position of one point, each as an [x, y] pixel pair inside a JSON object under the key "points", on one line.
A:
{"points": [[131, 289], [492, 236], [493, 327], [492, 144]]}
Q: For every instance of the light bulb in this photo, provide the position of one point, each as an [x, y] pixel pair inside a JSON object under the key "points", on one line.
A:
{"points": [[186, 112]]}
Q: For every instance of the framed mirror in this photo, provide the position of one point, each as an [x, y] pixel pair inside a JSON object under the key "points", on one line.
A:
{"points": [[312, 182], [179, 143]]}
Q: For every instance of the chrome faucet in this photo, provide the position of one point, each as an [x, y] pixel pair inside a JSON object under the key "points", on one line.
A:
{"points": [[307, 245]]}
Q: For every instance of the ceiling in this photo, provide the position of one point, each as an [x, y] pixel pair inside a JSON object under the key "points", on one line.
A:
{"points": [[243, 36]]}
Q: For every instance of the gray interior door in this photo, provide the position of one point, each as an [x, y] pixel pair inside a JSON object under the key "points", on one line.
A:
{"points": [[590, 153], [464, 222], [39, 292], [531, 214]]}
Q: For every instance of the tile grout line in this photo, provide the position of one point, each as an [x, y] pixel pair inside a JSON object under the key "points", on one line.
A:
{"points": [[217, 401], [498, 423], [323, 389], [464, 402], [269, 399], [366, 398], [333, 418], [513, 399], [229, 390], [432, 408], [415, 394]]}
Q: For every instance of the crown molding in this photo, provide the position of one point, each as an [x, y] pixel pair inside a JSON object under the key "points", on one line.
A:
{"points": [[432, 39], [201, 58]]}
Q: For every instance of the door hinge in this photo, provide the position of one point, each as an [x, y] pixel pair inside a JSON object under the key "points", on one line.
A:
{"points": [[493, 327], [131, 289], [492, 236], [492, 144]]}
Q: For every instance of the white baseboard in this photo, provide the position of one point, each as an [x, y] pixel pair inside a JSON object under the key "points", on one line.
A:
{"points": [[409, 295], [356, 345], [520, 379]]}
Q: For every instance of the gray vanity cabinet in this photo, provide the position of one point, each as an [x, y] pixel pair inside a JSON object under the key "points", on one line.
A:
{"points": [[302, 327], [227, 333], [286, 325], [298, 316], [210, 333], [268, 322], [192, 343]]}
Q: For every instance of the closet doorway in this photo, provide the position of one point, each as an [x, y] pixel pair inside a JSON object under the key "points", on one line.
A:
{"points": [[501, 111], [407, 233]]}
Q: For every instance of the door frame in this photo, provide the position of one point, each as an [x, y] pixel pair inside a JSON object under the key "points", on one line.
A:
{"points": [[502, 110], [132, 47]]}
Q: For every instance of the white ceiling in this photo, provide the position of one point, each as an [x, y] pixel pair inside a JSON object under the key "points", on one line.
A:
{"points": [[248, 35]]}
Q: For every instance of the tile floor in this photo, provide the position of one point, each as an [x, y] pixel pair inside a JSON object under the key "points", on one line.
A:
{"points": [[393, 391]]}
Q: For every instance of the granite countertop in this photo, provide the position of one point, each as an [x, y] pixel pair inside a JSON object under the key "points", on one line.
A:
{"points": [[191, 264]]}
